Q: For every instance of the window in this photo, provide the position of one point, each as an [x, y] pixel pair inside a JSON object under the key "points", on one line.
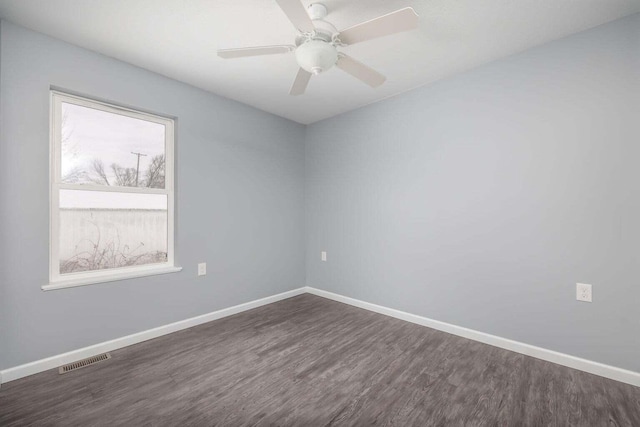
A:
{"points": [[111, 193]]}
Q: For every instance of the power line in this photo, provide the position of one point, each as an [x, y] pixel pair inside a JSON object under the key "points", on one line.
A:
{"points": [[138, 167]]}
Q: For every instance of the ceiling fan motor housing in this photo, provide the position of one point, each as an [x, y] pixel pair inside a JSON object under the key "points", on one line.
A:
{"points": [[317, 11], [316, 56]]}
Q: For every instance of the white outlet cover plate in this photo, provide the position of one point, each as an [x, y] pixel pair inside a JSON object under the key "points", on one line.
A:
{"points": [[202, 269], [583, 292], [323, 256]]}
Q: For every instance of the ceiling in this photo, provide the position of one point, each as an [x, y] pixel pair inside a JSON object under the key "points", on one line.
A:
{"points": [[179, 39]]}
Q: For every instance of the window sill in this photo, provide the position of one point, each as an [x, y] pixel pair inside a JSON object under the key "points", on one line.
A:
{"points": [[83, 281]]}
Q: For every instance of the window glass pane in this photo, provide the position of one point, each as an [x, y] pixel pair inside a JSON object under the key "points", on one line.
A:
{"points": [[98, 147], [101, 230]]}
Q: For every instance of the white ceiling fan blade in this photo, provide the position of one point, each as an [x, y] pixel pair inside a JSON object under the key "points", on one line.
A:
{"points": [[360, 71], [300, 83], [254, 51], [297, 14], [391, 23]]}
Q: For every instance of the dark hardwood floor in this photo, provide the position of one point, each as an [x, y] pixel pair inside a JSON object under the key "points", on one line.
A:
{"points": [[308, 361]]}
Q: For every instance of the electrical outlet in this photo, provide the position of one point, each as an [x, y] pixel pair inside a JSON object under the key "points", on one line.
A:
{"points": [[323, 256], [202, 269], [583, 292]]}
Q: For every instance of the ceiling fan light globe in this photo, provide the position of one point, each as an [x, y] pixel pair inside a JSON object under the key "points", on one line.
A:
{"points": [[316, 56]]}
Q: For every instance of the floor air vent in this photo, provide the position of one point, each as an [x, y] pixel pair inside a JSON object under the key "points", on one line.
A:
{"points": [[84, 362]]}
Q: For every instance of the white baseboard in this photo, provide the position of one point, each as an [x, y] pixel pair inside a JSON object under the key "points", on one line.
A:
{"points": [[578, 363], [585, 365], [27, 369]]}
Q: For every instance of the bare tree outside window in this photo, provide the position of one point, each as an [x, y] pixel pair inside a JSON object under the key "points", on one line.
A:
{"points": [[70, 150], [126, 177], [98, 174], [155, 172]]}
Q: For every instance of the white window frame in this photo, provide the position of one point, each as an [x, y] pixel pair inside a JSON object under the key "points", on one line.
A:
{"points": [[57, 280]]}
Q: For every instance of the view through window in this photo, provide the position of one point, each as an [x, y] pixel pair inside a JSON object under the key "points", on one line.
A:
{"points": [[112, 188]]}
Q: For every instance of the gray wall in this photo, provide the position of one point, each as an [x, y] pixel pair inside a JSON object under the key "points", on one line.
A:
{"points": [[479, 200], [482, 199], [240, 199]]}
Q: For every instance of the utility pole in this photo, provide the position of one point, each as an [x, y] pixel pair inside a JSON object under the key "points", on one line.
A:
{"points": [[138, 167]]}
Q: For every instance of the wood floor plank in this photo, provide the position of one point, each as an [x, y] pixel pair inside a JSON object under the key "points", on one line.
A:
{"points": [[308, 361]]}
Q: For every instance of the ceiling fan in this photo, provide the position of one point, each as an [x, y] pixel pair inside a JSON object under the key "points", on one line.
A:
{"points": [[316, 45]]}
